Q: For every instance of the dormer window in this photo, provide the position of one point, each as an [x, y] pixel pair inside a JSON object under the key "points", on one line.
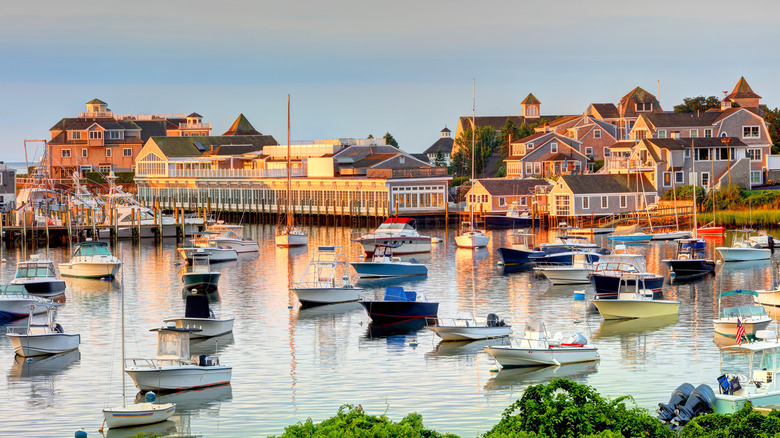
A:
{"points": [[75, 135], [95, 134], [644, 107], [114, 135]]}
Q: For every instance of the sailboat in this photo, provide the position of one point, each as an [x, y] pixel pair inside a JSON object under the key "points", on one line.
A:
{"points": [[710, 229], [136, 414], [289, 235], [470, 236]]}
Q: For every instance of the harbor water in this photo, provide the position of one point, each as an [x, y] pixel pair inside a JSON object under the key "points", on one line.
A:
{"points": [[290, 364]]}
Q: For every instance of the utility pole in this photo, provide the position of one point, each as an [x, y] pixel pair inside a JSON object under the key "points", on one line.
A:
{"points": [[727, 141]]}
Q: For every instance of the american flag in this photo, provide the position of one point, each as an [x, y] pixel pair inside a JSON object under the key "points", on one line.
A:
{"points": [[740, 331]]}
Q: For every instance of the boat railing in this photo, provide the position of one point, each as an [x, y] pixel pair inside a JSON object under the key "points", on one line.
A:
{"points": [[154, 363], [529, 343], [452, 322]]}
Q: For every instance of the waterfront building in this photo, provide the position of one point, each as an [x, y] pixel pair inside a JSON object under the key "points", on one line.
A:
{"points": [[498, 194], [7, 188], [600, 195], [247, 173], [594, 135], [545, 154], [443, 144], [99, 140]]}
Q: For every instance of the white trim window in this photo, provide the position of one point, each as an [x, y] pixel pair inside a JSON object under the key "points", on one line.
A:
{"points": [[84, 152], [755, 177], [537, 168], [66, 153], [687, 153], [705, 179], [529, 168], [113, 135], [623, 201], [588, 151], [108, 152], [501, 201], [694, 133], [667, 179], [524, 201], [95, 135], [607, 152], [127, 152], [644, 107], [554, 147], [708, 133], [586, 202], [604, 202], [75, 135], [661, 133], [678, 177], [751, 132], [754, 154], [597, 133]]}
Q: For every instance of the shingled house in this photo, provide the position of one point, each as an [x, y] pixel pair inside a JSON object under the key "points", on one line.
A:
{"points": [[600, 195], [443, 144], [497, 194]]}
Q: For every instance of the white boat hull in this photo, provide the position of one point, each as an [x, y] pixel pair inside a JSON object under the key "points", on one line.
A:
{"points": [[470, 240], [458, 333], [629, 309], [209, 327], [509, 356], [138, 414], [408, 245], [730, 254], [729, 328], [90, 269], [42, 344], [17, 308], [241, 246], [768, 297], [327, 295], [215, 254], [287, 240], [178, 378], [564, 274], [672, 235]]}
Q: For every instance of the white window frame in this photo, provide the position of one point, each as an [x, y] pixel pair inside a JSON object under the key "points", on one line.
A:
{"points": [[694, 133], [108, 152], [597, 133], [554, 147], [664, 182], [705, 176], [661, 133], [607, 152], [537, 168], [604, 202], [754, 154], [524, 201], [75, 135], [586, 202], [755, 177], [84, 152], [755, 131], [114, 135], [687, 153], [127, 152], [65, 153], [529, 168], [588, 151], [708, 133], [681, 174], [95, 135], [501, 201], [623, 201]]}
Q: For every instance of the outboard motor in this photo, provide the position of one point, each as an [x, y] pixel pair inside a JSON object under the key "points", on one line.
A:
{"points": [[771, 242], [679, 397], [699, 402], [492, 320]]}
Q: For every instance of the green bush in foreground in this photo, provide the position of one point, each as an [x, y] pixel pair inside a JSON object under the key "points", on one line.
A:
{"points": [[744, 423]]}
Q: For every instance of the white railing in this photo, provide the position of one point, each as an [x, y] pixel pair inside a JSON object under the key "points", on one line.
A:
{"points": [[194, 125], [234, 173], [97, 114]]}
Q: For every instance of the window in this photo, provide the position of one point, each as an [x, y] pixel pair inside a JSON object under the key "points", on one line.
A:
{"points": [[597, 133], [588, 151], [113, 135], [108, 152], [604, 202], [667, 179], [84, 153], [694, 133], [529, 146], [66, 153], [501, 201], [707, 133], [644, 107], [537, 168], [662, 134], [529, 168], [95, 134], [606, 152], [623, 201], [524, 201], [678, 177], [687, 153], [75, 135], [127, 152], [754, 154], [705, 179], [586, 202], [750, 132], [755, 177], [553, 147]]}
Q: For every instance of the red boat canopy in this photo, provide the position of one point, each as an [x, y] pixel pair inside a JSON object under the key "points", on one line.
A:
{"points": [[399, 220]]}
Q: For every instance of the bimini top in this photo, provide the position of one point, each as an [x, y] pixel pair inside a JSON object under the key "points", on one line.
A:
{"points": [[737, 292], [397, 293], [399, 220]]}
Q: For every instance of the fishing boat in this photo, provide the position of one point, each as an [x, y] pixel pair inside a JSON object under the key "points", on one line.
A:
{"points": [[288, 235], [516, 216], [199, 274], [472, 236], [326, 279], [399, 305], [465, 327], [521, 247], [752, 318], [538, 348], [635, 300], [763, 240], [197, 314], [173, 369], [566, 255], [690, 259], [136, 414], [38, 339], [629, 233], [618, 270], [394, 231], [575, 273], [384, 264], [91, 259], [227, 237], [38, 277], [16, 303], [742, 249], [215, 253]]}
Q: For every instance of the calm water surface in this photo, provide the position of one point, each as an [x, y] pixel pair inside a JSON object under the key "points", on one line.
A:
{"points": [[290, 364]]}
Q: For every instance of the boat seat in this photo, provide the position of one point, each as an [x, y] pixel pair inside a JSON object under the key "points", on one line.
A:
{"points": [[724, 385]]}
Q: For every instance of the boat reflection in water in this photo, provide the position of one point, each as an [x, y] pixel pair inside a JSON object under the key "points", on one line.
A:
{"points": [[521, 378], [510, 269], [164, 428], [463, 348], [307, 313], [212, 345], [411, 327], [51, 365], [194, 400], [622, 327]]}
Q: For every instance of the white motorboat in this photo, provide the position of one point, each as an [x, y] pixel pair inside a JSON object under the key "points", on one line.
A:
{"points": [[139, 413], [618, 271], [91, 259], [763, 240], [742, 249], [670, 235], [635, 299], [215, 253], [326, 279], [466, 328], [537, 348], [38, 277], [576, 273], [472, 238], [199, 275], [197, 314], [396, 231], [36, 339], [174, 369], [16, 303], [384, 264], [752, 318], [226, 236]]}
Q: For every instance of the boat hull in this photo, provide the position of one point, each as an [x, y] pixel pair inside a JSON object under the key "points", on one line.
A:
{"points": [[407, 244], [42, 288], [504, 221], [288, 240], [631, 309], [513, 357], [388, 269], [458, 333], [690, 267], [564, 274], [672, 235], [206, 281], [729, 328], [320, 296], [608, 286], [631, 238], [138, 414], [90, 269], [15, 309], [389, 312], [768, 297], [711, 231], [215, 255], [517, 256], [470, 240], [240, 246], [209, 327], [43, 344], [730, 254], [178, 378], [729, 404]]}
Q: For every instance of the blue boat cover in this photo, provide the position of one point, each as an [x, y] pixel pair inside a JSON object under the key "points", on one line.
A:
{"points": [[397, 293]]}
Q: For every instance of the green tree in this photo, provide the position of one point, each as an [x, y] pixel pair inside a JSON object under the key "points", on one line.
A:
{"points": [[390, 140], [698, 103], [485, 143], [440, 161], [772, 117], [370, 136], [459, 165], [511, 132]]}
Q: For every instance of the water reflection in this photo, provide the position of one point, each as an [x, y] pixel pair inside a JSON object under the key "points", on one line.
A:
{"points": [[517, 379], [625, 327], [397, 330], [43, 366], [463, 348], [328, 310], [164, 428], [212, 345]]}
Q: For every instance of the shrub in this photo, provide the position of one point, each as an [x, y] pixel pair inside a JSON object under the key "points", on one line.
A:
{"points": [[457, 181], [743, 423]]}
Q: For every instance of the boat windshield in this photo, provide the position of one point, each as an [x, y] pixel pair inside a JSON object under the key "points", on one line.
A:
{"points": [[172, 345], [743, 312], [92, 250], [534, 330], [35, 270], [394, 226]]}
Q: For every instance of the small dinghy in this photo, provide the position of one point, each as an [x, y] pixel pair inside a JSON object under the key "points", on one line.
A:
{"points": [[538, 348], [466, 328]]}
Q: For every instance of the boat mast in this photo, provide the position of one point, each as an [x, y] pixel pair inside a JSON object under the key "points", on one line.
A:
{"points": [[289, 180], [693, 171], [122, 301], [674, 191], [473, 141]]}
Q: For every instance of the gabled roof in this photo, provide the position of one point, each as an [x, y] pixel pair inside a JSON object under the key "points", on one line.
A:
{"points": [[639, 95], [608, 127], [562, 120], [504, 187], [605, 110], [743, 91], [445, 129], [444, 143], [625, 144], [372, 160], [96, 102], [194, 115], [421, 157], [674, 120], [242, 127], [531, 100], [196, 146], [607, 183]]}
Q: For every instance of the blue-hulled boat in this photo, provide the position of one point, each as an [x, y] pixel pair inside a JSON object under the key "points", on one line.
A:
{"points": [[521, 247], [690, 259], [399, 305], [620, 270], [565, 256]]}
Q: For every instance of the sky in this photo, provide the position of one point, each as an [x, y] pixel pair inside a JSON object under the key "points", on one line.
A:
{"points": [[354, 68]]}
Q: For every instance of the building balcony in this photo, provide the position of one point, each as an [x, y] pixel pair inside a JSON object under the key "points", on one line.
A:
{"points": [[425, 172], [194, 125], [96, 114], [233, 173], [636, 165]]}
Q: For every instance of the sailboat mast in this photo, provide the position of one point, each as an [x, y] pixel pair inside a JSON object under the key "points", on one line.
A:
{"points": [[122, 304], [473, 142], [674, 191], [289, 170], [693, 171]]}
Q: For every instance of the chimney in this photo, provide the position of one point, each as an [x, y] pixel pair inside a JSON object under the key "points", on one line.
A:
{"points": [[546, 127]]}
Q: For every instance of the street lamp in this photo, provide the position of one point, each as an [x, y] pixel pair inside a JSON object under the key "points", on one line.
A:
{"points": [[726, 141]]}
